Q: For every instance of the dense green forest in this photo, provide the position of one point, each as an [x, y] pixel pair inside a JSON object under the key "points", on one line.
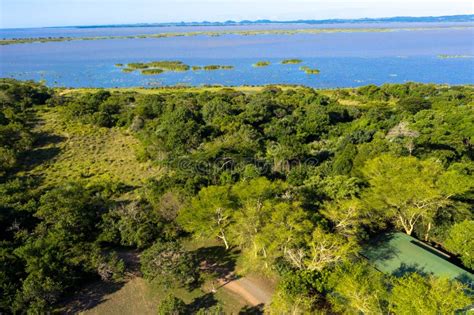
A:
{"points": [[294, 180]]}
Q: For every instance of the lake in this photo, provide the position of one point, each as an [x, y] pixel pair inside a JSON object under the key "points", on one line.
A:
{"points": [[346, 59]]}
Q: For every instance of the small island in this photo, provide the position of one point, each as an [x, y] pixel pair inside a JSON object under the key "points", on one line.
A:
{"points": [[217, 67], [291, 61], [158, 67], [151, 71], [308, 70], [260, 64]]}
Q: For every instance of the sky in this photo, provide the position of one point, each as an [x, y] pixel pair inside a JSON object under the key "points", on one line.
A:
{"points": [[41, 13]]}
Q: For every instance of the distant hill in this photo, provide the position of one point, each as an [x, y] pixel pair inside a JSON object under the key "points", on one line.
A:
{"points": [[404, 19]]}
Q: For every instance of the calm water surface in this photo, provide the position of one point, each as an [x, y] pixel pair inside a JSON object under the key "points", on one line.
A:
{"points": [[345, 59]]}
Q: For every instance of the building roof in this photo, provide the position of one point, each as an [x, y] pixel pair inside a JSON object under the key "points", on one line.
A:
{"points": [[398, 253]]}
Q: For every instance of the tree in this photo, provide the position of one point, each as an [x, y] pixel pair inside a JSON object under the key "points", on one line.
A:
{"points": [[209, 214], [254, 206], [358, 289], [323, 249], [409, 191], [286, 229], [413, 104], [169, 264], [461, 242], [347, 215], [298, 292], [171, 305], [415, 294]]}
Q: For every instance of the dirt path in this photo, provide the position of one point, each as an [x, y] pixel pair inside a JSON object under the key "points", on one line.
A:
{"points": [[251, 290]]}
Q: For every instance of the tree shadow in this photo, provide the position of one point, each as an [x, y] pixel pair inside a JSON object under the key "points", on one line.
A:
{"points": [[409, 268], [38, 156], [206, 301], [45, 138], [217, 260], [252, 310], [467, 280], [379, 248], [90, 296]]}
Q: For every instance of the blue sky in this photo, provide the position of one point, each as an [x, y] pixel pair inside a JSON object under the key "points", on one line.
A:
{"points": [[36, 13]]}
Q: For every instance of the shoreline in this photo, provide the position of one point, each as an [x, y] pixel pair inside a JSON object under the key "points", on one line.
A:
{"points": [[310, 31]]}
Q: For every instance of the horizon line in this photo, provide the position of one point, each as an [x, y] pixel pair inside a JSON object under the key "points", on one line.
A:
{"points": [[259, 21]]}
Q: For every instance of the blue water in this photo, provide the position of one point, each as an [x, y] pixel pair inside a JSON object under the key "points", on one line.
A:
{"points": [[345, 59]]}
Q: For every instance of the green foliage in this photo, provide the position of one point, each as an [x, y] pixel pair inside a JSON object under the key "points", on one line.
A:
{"points": [[171, 305], [358, 289], [409, 191], [415, 294], [413, 104], [461, 242], [259, 64], [132, 224], [168, 264], [292, 179], [291, 61], [217, 67]]}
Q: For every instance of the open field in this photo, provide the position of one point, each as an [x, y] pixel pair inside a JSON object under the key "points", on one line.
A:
{"points": [[69, 150]]}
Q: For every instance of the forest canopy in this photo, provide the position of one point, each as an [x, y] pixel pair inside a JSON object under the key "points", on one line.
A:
{"points": [[298, 180]]}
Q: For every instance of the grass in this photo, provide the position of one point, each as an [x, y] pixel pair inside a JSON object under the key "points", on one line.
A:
{"points": [[69, 150], [260, 64], [217, 67], [138, 296], [291, 61], [308, 70], [184, 89], [151, 71]]}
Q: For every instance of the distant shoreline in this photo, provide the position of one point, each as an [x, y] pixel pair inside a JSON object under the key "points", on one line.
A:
{"points": [[396, 19], [14, 41]]}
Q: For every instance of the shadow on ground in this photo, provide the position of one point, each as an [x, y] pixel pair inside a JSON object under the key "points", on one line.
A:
{"points": [[90, 297], [252, 310]]}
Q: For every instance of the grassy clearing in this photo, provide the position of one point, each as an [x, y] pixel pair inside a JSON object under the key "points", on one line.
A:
{"points": [[138, 296], [69, 151]]}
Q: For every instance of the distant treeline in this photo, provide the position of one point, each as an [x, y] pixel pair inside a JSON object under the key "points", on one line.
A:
{"points": [[429, 19]]}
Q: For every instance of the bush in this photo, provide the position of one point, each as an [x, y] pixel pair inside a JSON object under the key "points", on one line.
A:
{"points": [[169, 264]]}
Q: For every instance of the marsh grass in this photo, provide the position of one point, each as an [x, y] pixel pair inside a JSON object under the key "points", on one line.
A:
{"points": [[260, 64], [291, 61]]}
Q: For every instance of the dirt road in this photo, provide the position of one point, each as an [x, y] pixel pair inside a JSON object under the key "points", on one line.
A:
{"points": [[255, 292]]}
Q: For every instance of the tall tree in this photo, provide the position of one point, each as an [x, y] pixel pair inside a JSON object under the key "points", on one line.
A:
{"points": [[409, 191], [415, 294], [209, 214]]}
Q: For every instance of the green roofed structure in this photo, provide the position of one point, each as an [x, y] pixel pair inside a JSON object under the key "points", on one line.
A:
{"points": [[398, 253]]}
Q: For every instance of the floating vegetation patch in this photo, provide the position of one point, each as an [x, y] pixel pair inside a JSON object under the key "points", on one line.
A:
{"points": [[177, 66], [119, 65], [152, 71], [260, 64], [308, 70], [291, 61], [217, 67], [443, 56], [127, 70], [158, 67], [137, 65]]}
